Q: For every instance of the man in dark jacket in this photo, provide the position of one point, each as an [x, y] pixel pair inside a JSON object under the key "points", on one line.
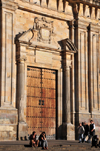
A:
{"points": [[92, 130], [80, 132], [86, 133]]}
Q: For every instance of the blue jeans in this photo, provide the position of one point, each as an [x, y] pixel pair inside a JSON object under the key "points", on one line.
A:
{"points": [[45, 144], [80, 137]]}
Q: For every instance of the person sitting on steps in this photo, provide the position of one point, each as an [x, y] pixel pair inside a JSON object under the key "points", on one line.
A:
{"points": [[33, 141], [42, 141]]}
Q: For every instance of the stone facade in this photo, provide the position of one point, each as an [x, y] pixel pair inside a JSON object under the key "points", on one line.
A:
{"points": [[58, 35]]}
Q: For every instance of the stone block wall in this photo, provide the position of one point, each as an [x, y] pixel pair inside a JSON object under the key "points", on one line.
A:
{"points": [[8, 124]]}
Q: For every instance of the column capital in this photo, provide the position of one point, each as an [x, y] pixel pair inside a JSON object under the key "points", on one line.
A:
{"points": [[71, 24], [94, 27], [21, 59], [81, 23], [68, 64]]}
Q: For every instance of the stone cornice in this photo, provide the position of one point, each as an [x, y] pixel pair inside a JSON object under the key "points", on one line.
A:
{"points": [[11, 5], [69, 51], [36, 45], [94, 27], [87, 2], [82, 23], [45, 11], [45, 46], [68, 46]]}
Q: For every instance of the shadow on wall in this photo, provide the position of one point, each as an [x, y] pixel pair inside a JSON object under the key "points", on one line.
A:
{"points": [[60, 132], [24, 138], [76, 125]]}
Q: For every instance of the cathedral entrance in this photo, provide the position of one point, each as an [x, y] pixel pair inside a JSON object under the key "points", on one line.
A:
{"points": [[41, 101]]}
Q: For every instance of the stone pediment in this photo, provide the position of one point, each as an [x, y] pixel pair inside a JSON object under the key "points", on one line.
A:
{"points": [[25, 36], [41, 32], [68, 45]]}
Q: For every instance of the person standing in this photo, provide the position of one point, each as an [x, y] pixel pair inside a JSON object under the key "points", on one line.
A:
{"points": [[80, 132], [92, 130], [86, 133]]}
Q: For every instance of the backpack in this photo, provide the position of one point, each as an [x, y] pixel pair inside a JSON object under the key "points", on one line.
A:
{"points": [[95, 140]]}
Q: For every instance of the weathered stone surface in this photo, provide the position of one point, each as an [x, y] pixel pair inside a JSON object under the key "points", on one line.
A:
{"points": [[8, 124]]}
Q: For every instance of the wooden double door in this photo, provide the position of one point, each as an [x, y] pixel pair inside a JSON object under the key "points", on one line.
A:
{"points": [[41, 101]]}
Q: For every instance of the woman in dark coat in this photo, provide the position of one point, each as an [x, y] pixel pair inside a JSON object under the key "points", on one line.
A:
{"points": [[33, 141], [42, 141]]}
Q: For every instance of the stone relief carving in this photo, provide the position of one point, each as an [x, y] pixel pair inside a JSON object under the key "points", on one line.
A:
{"points": [[44, 29]]}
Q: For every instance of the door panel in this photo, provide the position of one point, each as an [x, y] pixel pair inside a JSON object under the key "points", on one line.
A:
{"points": [[49, 99], [33, 116], [41, 101]]}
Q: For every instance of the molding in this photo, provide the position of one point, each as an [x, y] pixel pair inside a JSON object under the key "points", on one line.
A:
{"points": [[36, 45], [21, 59], [82, 23], [46, 11], [83, 112], [94, 27], [9, 5], [68, 46], [86, 2], [96, 113], [70, 51], [8, 107]]}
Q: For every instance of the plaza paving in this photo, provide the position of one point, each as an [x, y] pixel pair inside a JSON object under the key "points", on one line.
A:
{"points": [[54, 145]]}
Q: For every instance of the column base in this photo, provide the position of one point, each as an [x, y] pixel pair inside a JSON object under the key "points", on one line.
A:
{"points": [[22, 131], [68, 131]]}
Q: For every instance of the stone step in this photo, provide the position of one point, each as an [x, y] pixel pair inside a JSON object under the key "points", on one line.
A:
{"points": [[56, 145]]}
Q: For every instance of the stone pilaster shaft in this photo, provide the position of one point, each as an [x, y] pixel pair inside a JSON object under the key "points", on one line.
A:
{"points": [[66, 91], [68, 120], [21, 81]]}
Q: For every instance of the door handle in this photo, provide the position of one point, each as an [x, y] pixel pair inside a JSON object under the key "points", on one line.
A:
{"points": [[41, 102]]}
